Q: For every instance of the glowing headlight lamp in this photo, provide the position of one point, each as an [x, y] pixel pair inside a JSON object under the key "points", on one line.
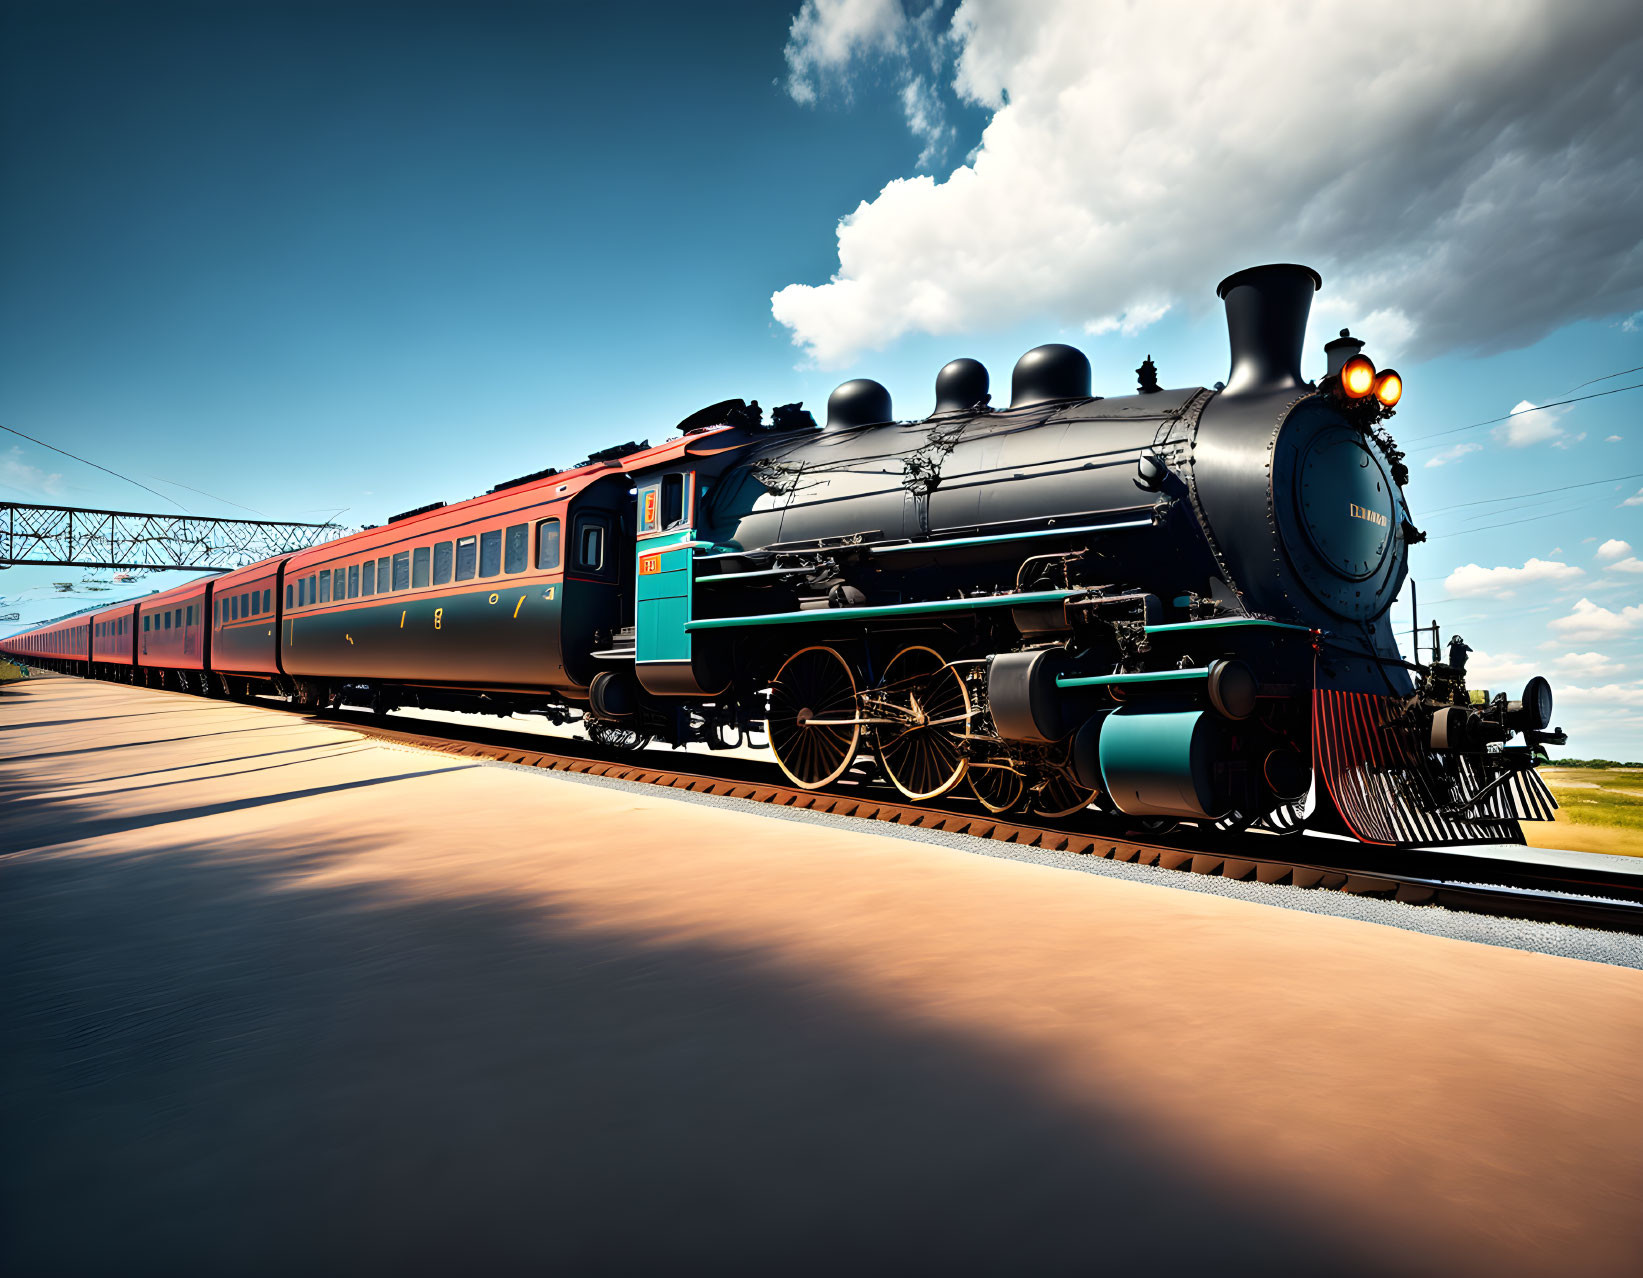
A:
{"points": [[1388, 388], [1358, 376]]}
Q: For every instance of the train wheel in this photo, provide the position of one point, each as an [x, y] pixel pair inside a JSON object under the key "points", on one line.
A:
{"points": [[1059, 795], [920, 753], [1286, 818], [614, 736], [813, 725], [997, 786]]}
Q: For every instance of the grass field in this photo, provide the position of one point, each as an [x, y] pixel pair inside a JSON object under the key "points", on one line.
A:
{"points": [[1601, 811]]}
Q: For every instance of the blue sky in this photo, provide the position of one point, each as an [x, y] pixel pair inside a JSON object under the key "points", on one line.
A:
{"points": [[320, 258]]}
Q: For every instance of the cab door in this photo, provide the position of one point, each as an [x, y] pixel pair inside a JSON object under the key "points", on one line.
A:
{"points": [[598, 582]]}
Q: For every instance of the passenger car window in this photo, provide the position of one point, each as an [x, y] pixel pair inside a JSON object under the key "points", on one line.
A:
{"points": [[466, 558], [339, 584], [490, 553], [382, 575], [442, 563], [547, 543], [368, 578], [268, 600], [518, 548], [353, 581], [313, 590], [288, 594], [402, 570], [168, 619], [325, 587], [419, 567]]}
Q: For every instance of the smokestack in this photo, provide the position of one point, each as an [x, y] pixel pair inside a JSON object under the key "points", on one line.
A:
{"points": [[1267, 308]]}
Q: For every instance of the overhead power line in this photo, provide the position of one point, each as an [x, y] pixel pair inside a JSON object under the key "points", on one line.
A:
{"points": [[87, 462], [1523, 412], [1606, 376], [1539, 492]]}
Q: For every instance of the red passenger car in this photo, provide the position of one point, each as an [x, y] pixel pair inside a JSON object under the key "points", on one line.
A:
{"points": [[173, 638]]}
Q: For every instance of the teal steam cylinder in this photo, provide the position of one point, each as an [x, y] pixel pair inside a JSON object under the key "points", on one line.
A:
{"points": [[1161, 763]]}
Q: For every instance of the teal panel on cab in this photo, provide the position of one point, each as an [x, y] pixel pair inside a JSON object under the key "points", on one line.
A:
{"points": [[662, 588]]}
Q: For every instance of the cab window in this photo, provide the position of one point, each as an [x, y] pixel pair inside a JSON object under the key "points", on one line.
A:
{"points": [[590, 543], [673, 500]]}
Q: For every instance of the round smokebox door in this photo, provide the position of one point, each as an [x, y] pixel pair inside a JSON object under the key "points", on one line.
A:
{"points": [[1346, 502]]}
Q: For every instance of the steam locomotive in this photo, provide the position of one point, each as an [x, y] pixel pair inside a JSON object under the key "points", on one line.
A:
{"points": [[1166, 606]]}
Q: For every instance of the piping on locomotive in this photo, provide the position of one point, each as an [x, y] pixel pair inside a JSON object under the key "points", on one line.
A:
{"points": [[1165, 606]]}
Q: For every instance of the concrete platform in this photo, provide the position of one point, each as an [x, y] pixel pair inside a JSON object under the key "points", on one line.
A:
{"points": [[275, 998]]}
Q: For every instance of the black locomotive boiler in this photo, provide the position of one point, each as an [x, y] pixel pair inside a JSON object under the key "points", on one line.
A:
{"points": [[1164, 606]]}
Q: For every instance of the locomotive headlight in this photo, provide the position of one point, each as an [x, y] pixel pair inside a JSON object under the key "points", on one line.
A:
{"points": [[1388, 388], [1358, 376]]}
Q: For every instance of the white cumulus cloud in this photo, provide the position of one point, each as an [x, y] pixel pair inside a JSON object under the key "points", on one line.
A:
{"points": [[17, 473], [1587, 665], [1502, 582], [1629, 564], [1614, 548], [1607, 695], [1475, 188], [1589, 621], [827, 35], [1489, 670], [1636, 499], [1453, 453], [1529, 425]]}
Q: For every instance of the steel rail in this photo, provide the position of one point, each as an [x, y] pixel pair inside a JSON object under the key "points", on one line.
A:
{"points": [[1537, 890]]}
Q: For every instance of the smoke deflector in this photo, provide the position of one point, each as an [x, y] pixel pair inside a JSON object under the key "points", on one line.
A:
{"points": [[1267, 308]]}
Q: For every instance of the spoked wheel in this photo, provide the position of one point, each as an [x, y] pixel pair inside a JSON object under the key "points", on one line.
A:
{"points": [[614, 736], [997, 786], [920, 752], [1059, 795], [814, 727]]}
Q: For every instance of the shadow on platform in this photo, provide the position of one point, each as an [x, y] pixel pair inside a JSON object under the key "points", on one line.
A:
{"points": [[213, 1064]]}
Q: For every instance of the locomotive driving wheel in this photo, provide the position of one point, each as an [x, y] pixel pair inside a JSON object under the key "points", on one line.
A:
{"points": [[1058, 794], [997, 785], [928, 709], [814, 728]]}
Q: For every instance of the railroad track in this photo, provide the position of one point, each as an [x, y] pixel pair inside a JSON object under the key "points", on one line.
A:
{"points": [[1575, 890]]}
